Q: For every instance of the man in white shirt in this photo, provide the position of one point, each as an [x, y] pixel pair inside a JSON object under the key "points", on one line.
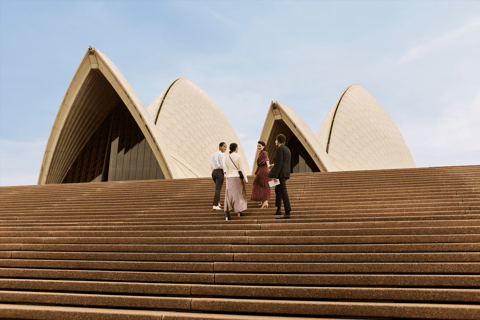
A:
{"points": [[218, 173]]}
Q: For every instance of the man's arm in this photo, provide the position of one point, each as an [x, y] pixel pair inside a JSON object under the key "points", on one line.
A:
{"points": [[280, 155], [275, 172], [222, 159]]}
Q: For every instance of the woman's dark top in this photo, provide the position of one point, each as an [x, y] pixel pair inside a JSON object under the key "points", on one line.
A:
{"points": [[261, 190]]}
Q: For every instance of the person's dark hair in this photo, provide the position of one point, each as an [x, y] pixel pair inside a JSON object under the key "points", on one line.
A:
{"points": [[262, 143], [281, 138], [233, 147], [221, 144]]}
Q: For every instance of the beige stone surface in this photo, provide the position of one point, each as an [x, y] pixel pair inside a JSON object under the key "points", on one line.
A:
{"points": [[362, 134], [324, 130], [191, 126]]}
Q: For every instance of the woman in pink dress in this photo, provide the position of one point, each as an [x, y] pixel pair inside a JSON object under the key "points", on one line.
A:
{"points": [[261, 189], [235, 194]]}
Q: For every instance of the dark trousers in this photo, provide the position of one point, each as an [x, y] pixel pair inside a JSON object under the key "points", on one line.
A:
{"points": [[217, 176], [282, 194]]}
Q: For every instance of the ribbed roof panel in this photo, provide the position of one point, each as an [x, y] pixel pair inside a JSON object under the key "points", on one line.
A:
{"points": [[192, 125]]}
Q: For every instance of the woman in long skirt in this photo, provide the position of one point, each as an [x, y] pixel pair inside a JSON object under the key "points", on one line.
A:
{"points": [[235, 194], [261, 189]]}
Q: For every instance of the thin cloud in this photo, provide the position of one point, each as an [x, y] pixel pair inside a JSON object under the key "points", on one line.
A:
{"points": [[222, 19], [449, 139], [447, 39]]}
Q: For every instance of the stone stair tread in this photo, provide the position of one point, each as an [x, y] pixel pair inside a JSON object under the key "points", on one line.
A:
{"points": [[239, 248], [111, 265], [401, 268], [309, 308], [407, 280], [19, 311], [400, 243], [384, 257], [108, 275], [277, 292], [321, 308]]}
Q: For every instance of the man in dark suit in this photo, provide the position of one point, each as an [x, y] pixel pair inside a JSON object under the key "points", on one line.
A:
{"points": [[281, 171]]}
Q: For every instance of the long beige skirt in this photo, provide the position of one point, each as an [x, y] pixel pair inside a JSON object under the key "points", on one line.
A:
{"points": [[235, 195]]}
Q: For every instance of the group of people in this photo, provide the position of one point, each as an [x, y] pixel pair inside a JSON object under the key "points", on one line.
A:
{"points": [[231, 166]]}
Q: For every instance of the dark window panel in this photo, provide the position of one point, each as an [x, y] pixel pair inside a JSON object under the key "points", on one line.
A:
{"points": [[125, 134], [112, 170], [116, 151], [159, 174], [301, 160], [146, 162], [121, 145], [153, 166], [93, 159], [119, 169], [134, 155], [140, 158]]}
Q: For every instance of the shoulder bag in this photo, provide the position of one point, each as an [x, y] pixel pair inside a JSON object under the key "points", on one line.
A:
{"points": [[240, 173]]}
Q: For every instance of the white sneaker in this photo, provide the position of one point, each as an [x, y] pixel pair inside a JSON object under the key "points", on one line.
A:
{"points": [[216, 208], [219, 205]]}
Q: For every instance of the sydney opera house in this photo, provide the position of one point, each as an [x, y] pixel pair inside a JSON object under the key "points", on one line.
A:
{"points": [[363, 242], [103, 132]]}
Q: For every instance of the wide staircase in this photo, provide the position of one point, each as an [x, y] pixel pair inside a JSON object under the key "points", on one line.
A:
{"points": [[385, 244]]}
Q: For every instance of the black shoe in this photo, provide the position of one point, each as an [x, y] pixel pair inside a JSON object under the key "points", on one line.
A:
{"points": [[239, 214], [227, 216], [285, 216], [278, 212]]}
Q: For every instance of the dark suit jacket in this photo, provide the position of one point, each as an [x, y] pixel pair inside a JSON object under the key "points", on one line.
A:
{"points": [[283, 159]]}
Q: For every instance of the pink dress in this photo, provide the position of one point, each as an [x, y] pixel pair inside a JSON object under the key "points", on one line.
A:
{"points": [[261, 189]]}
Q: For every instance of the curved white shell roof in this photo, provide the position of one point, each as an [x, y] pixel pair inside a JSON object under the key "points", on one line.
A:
{"points": [[83, 109], [183, 126], [358, 134], [192, 125], [279, 111]]}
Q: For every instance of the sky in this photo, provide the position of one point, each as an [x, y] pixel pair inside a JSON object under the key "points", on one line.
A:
{"points": [[419, 59]]}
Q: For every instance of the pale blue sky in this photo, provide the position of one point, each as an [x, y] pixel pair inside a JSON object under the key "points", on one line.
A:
{"points": [[419, 59]]}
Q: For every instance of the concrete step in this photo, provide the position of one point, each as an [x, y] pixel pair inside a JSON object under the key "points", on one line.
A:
{"points": [[19, 311], [402, 268], [265, 292], [206, 205], [266, 228], [357, 257], [244, 257], [187, 272], [367, 280], [324, 196], [259, 218], [227, 248], [254, 306], [366, 244]]}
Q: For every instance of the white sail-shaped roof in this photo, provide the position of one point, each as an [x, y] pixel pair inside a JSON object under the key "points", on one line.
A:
{"points": [[96, 88], [192, 126], [358, 134], [280, 119]]}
